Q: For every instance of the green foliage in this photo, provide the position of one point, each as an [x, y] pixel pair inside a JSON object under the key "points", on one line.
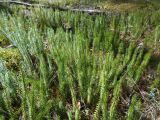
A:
{"points": [[71, 63], [156, 82], [134, 109]]}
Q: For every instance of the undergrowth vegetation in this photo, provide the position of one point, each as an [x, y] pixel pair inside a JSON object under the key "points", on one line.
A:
{"points": [[77, 66]]}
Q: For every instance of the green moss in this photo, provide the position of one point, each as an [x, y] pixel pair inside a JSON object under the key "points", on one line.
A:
{"points": [[4, 41], [129, 6], [124, 6], [11, 56]]}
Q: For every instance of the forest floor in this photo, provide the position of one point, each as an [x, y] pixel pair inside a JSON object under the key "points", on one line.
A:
{"points": [[122, 8], [149, 37]]}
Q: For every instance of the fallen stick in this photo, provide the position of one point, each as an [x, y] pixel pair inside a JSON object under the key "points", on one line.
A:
{"points": [[21, 3], [90, 11]]}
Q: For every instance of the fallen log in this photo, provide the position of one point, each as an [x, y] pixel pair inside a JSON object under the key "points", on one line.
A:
{"points": [[54, 7]]}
